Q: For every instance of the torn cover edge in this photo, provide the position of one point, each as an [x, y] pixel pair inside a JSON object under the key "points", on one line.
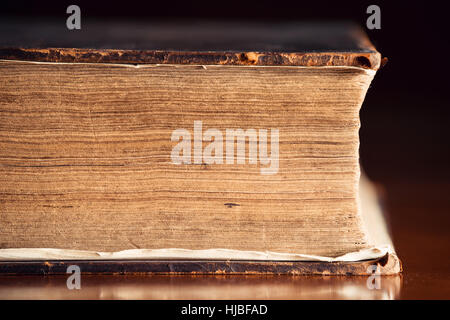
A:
{"points": [[32, 254]]}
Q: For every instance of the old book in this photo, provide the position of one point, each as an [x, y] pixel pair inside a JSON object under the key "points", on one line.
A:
{"points": [[188, 141]]}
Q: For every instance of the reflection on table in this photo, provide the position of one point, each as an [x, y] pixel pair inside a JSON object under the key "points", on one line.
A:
{"points": [[200, 287]]}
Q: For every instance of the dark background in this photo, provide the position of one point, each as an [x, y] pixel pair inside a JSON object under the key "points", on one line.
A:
{"points": [[405, 117]]}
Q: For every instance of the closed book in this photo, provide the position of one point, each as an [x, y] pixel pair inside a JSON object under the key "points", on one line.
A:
{"points": [[187, 147]]}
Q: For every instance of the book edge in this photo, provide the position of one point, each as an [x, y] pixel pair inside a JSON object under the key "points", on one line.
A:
{"points": [[366, 60]]}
